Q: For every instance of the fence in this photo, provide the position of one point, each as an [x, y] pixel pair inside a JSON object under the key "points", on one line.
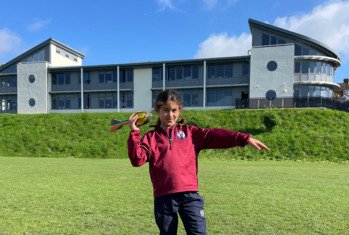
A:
{"points": [[293, 103]]}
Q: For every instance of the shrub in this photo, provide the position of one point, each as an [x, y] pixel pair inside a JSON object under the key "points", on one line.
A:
{"points": [[270, 120]]}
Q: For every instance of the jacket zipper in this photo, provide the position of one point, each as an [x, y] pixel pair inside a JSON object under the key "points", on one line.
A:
{"points": [[170, 139]]}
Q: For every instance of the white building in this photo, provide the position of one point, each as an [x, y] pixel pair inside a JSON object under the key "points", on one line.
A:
{"points": [[281, 67]]}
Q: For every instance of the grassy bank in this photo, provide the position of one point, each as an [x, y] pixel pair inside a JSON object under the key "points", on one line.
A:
{"points": [[91, 196], [301, 134]]}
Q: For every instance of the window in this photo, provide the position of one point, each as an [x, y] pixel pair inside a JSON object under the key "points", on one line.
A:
{"points": [[318, 67], [187, 72], [195, 72], [31, 78], [31, 102], [220, 71], [105, 77], [8, 82], [312, 66], [157, 74], [272, 65], [129, 75], [87, 101], [297, 49], [107, 100], [101, 78], [273, 40], [306, 51], [179, 72], [87, 79], [126, 100], [305, 66], [37, 56], [191, 99], [171, 74], [61, 102], [297, 67], [126, 75], [245, 69], [281, 41], [60, 78], [265, 39], [219, 97], [228, 69], [211, 71]]}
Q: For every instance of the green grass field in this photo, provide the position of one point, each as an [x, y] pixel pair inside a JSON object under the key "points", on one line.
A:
{"points": [[108, 196]]}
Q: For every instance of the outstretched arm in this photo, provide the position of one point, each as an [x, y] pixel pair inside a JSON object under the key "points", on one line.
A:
{"points": [[257, 144]]}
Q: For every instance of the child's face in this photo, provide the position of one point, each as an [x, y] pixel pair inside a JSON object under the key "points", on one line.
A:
{"points": [[169, 113]]}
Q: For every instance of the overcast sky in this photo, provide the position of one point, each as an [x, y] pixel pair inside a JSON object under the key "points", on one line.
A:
{"points": [[109, 31]]}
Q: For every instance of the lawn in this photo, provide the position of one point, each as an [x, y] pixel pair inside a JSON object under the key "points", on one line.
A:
{"points": [[108, 196]]}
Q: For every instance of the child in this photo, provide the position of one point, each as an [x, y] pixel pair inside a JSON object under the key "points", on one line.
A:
{"points": [[171, 150]]}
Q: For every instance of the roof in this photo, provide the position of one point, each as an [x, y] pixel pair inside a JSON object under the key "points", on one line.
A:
{"points": [[38, 47], [315, 43]]}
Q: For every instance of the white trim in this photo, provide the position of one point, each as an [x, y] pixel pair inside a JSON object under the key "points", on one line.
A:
{"points": [[330, 84], [336, 62]]}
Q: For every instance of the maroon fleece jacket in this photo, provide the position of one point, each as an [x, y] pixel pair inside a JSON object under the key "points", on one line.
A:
{"points": [[172, 154]]}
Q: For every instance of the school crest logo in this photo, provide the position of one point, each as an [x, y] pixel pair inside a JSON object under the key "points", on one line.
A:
{"points": [[181, 135]]}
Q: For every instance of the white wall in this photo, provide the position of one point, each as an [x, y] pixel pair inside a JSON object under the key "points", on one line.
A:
{"points": [[142, 89], [61, 59], [36, 90], [279, 80]]}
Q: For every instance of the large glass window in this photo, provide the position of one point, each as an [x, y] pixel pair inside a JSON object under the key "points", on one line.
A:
{"points": [[126, 99], [305, 51], [265, 39], [107, 100], [61, 101], [297, 67], [105, 77], [182, 72], [37, 56], [273, 40], [126, 75], [219, 97], [195, 72], [297, 49], [87, 79], [219, 71], [312, 66], [8, 82], [187, 72], [245, 69], [179, 72], [305, 66], [60, 78], [318, 67], [281, 41]]}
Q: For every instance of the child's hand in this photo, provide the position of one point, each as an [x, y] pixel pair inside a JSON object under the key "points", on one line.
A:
{"points": [[257, 144], [132, 122]]}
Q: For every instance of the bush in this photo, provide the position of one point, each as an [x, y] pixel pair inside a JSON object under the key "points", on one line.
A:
{"points": [[270, 120]]}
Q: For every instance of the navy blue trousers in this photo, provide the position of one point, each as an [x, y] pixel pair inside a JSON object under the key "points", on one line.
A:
{"points": [[189, 206]]}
